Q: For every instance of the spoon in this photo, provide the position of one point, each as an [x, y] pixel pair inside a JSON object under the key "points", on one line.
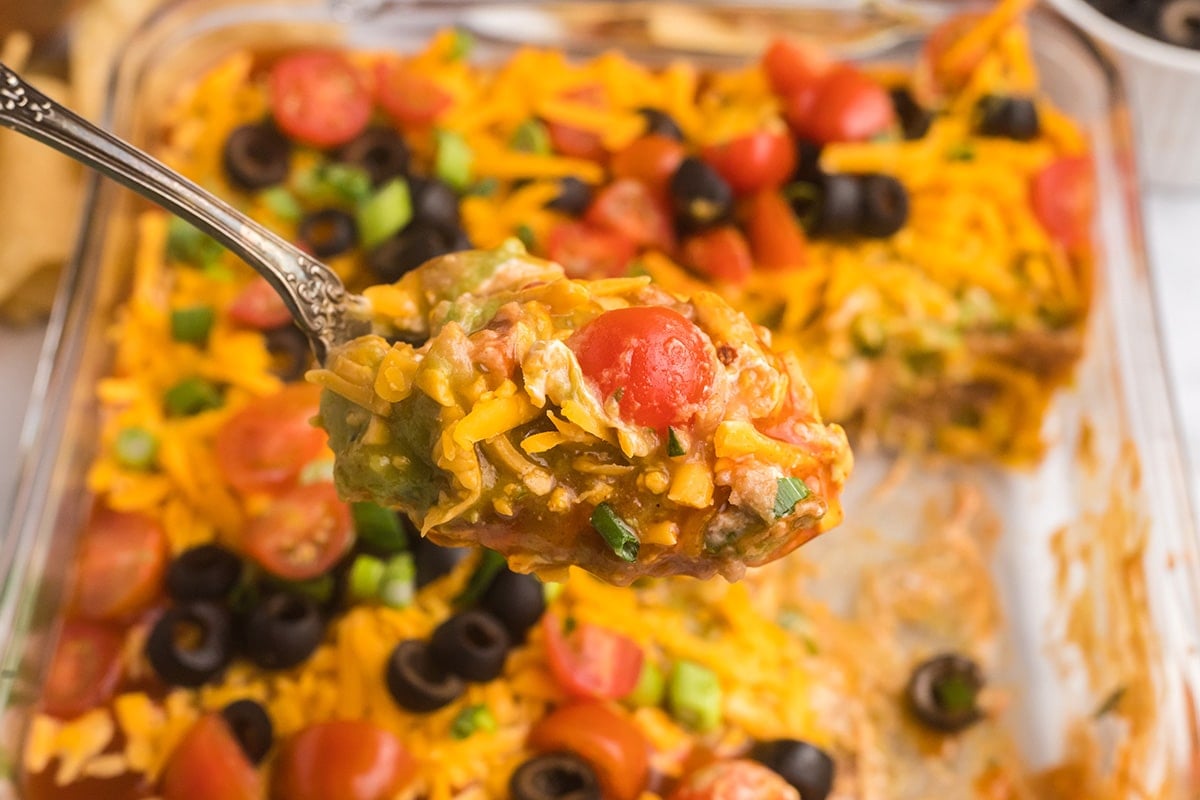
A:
{"points": [[312, 292]]}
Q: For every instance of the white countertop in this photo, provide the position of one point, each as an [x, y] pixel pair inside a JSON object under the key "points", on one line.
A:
{"points": [[1170, 216]]}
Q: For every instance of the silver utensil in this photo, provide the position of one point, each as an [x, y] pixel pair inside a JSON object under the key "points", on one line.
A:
{"points": [[313, 293]]}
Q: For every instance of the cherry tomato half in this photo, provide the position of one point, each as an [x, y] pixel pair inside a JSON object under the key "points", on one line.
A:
{"points": [[209, 763], [791, 65], [656, 357], [411, 99], [587, 251], [757, 161], [591, 661], [319, 98], [342, 759], [265, 444], [605, 738], [122, 558], [629, 207], [721, 254], [302, 534], [735, 780], [776, 238], [848, 106], [259, 306], [85, 669], [651, 159], [576, 142], [1063, 196]]}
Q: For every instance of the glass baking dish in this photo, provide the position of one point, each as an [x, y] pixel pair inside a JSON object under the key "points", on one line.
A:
{"points": [[1096, 563]]}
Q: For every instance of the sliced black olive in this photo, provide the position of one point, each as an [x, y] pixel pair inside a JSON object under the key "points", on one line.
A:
{"points": [[833, 207], [206, 572], [808, 162], [328, 232], [190, 644], [251, 726], [291, 352], [434, 204], [432, 561], [283, 630], [554, 776], [884, 206], [473, 644], [574, 197], [416, 682], [256, 156], [1179, 22], [380, 151], [517, 600], [943, 692], [660, 123], [1007, 117], [806, 767], [699, 196], [408, 250], [914, 118]]}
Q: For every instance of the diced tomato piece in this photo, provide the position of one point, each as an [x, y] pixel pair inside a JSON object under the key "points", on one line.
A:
{"points": [[122, 558], [791, 65], [721, 254], [208, 763], [629, 207], [411, 99], [591, 661], [85, 669], [657, 359], [587, 251], [342, 760], [603, 737], [757, 161], [302, 534], [848, 106], [651, 159], [259, 306], [263, 446], [1063, 196], [777, 240], [735, 780], [319, 98]]}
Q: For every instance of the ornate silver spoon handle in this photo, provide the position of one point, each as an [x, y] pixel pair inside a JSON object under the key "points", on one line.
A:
{"points": [[312, 292]]}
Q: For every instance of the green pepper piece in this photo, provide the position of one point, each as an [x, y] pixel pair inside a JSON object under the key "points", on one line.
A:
{"points": [[366, 577], [192, 324], [471, 719], [398, 586], [192, 396], [378, 526], [453, 160], [189, 244], [531, 136], [385, 213], [650, 689], [694, 696], [282, 204], [620, 536], [136, 448]]}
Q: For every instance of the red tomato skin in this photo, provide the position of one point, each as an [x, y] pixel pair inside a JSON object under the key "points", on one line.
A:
{"points": [[605, 738], [122, 558], [319, 98], [575, 142], [777, 240], [586, 251], [264, 445], [757, 161], [342, 760], [790, 65], [931, 78], [302, 534], [658, 358], [848, 107], [741, 779], [1063, 198], [260, 307], [85, 669], [410, 99], [208, 764], [591, 662], [628, 207], [651, 159], [721, 254]]}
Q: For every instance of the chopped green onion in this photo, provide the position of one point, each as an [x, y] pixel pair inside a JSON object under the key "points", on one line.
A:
{"points": [[332, 183], [694, 696], [489, 566], [366, 577], [484, 187], [620, 537], [650, 688], [531, 136], [189, 244], [319, 589], [192, 324], [788, 492], [136, 448], [191, 396], [472, 719], [398, 586], [384, 213], [453, 159], [674, 445], [379, 527], [282, 204], [525, 234], [462, 44], [1110, 703]]}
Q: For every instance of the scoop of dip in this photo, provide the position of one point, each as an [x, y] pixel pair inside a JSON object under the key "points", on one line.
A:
{"points": [[606, 424]]}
